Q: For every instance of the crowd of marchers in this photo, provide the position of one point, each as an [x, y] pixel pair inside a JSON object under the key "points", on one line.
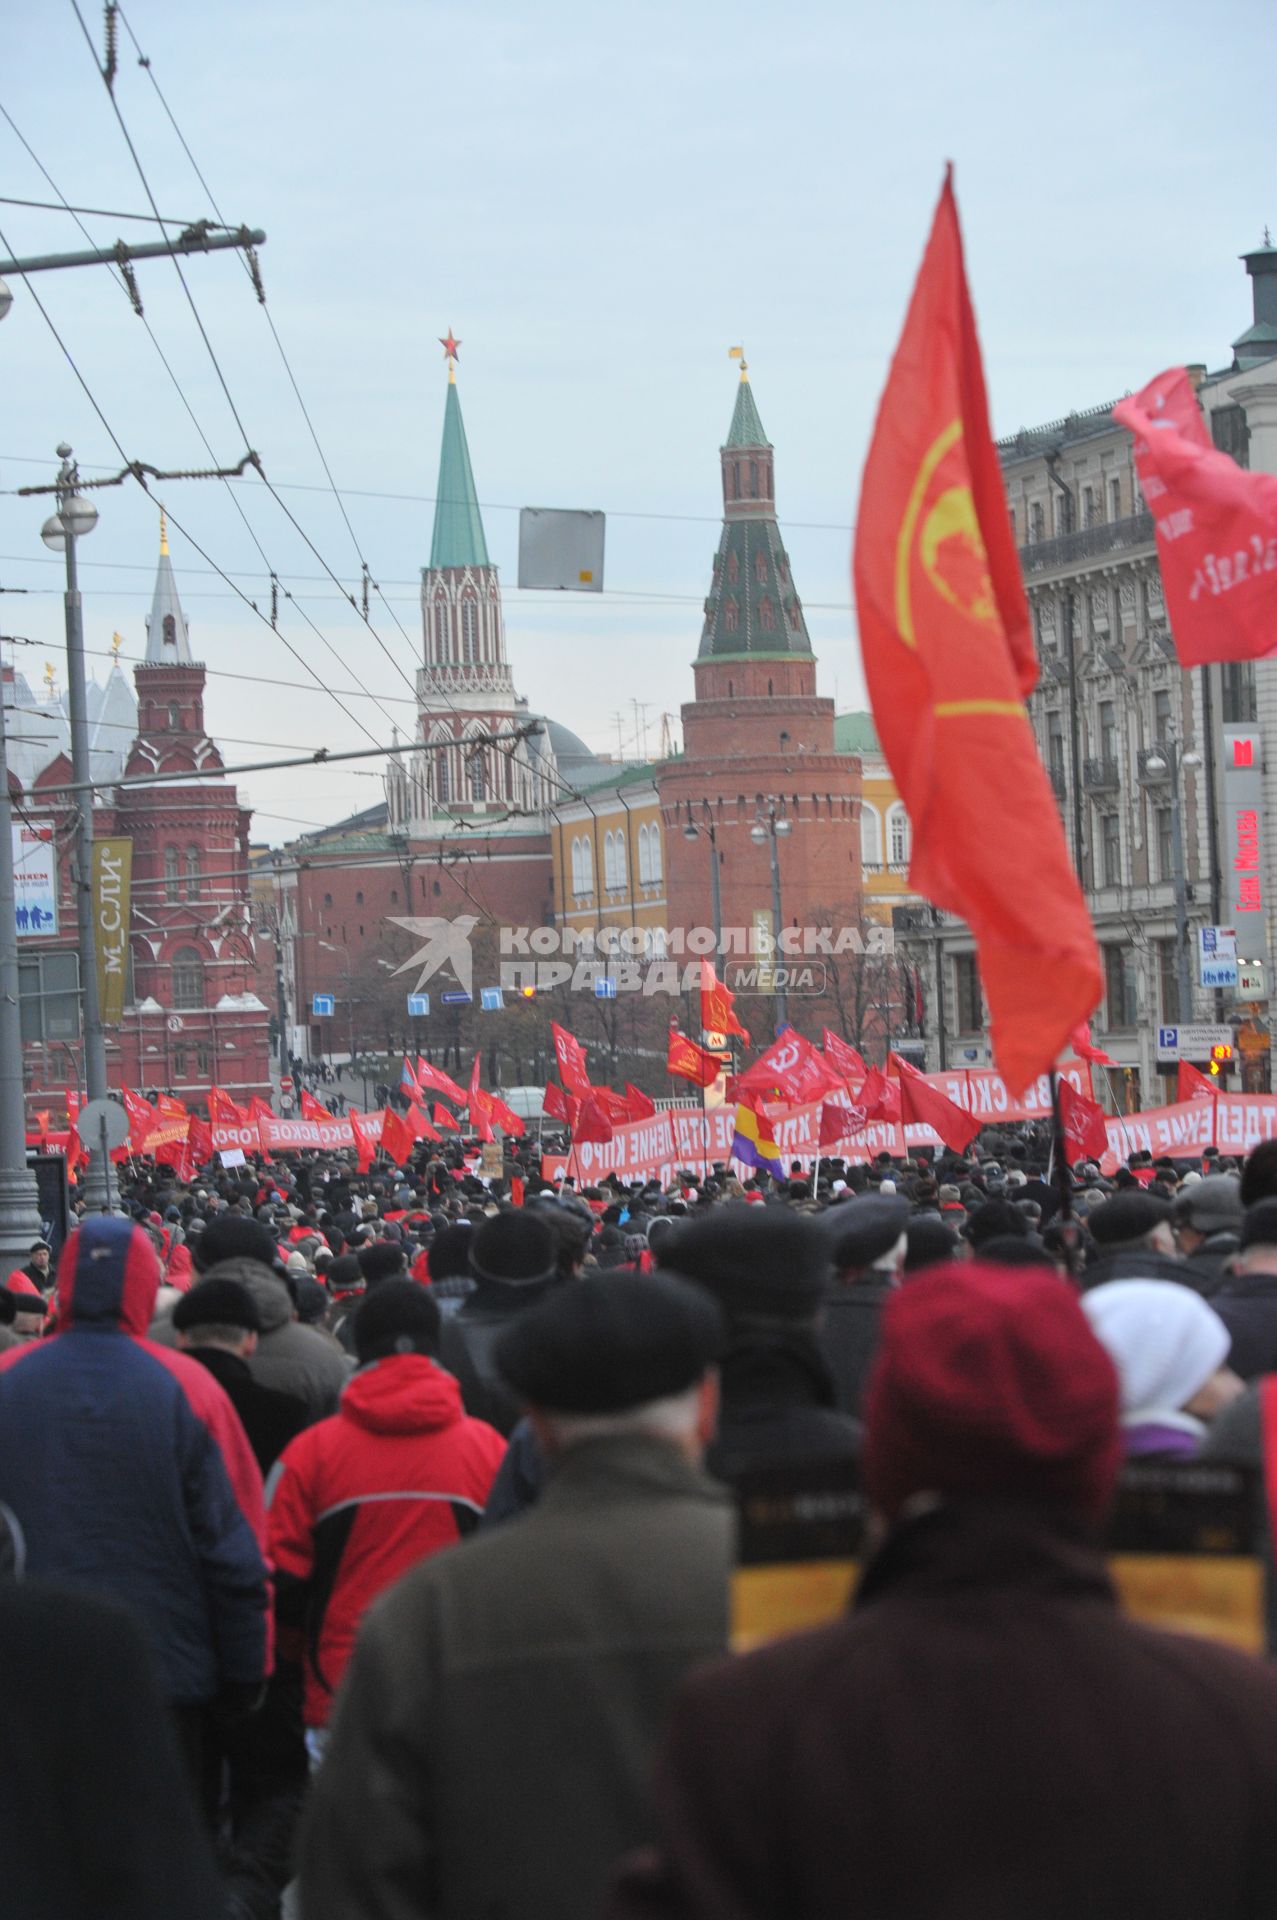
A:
{"points": [[366, 1543]]}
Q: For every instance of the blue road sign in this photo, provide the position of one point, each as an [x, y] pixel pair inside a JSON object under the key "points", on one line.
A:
{"points": [[604, 988], [455, 997], [323, 1006], [490, 1000], [418, 1006]]}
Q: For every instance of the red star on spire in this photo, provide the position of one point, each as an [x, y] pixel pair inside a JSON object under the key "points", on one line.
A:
{"points": [[449, 345]]}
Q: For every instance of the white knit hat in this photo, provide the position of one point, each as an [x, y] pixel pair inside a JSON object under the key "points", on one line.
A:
{"points": [[1164, 1340]]}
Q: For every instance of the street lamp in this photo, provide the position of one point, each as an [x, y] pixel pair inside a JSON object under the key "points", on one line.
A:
{"points": [[1167, 757], [75, 518], [771, 825], [6, 298]]}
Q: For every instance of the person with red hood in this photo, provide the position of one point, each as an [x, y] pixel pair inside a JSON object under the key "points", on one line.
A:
{"points": [[129, 1474], [986, 1733], [398, 1472]]}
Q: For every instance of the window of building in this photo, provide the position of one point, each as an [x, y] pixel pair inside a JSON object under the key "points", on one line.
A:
{"points": [[1168, 982], [188, 980], [1237, 693], [328, 899], [1165, 843], [203, 1059], [469, 630], [753, 479], [1231, 434], [476, 776], [1055, 748], [172, 875], [620, 872], [49, 997], [359, 898], [1089, 512], [1108, 731], [1119, 986], [733, 568], [795, 615], [443, 779], [441, 628], [766, 618], [179, 1063], [655, 867], [870, 836], [394, 896], [1110, 850], [760, 568], [192, 873], [581, 866], [731, 617], [174, 715], [967, 997], [731, 481], [1037, 522], [1013, 524], [1115, 499], [609, 860], [1161, 714], [898, 836]]}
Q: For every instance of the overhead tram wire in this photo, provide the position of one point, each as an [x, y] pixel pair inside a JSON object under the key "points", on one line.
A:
{"points": [[177, 385]]}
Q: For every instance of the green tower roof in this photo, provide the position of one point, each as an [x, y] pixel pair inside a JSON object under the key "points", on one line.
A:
{"points": [[746, 429], [458, 537]]}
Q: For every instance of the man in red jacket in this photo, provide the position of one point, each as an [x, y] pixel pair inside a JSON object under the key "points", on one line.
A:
{"points": [[398, 1472]]}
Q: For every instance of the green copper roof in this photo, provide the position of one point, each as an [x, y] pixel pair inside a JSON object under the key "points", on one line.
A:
{"points": [[746, 429], [855, 733], [458, 539]]}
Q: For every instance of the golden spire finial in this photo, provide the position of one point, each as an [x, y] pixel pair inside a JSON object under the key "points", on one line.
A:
{"points": [[163, 532], [738, 353], [50, 676], [117, 641]]}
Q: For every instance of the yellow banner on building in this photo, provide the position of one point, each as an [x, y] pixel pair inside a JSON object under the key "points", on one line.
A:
{"points": [[112, 880]]}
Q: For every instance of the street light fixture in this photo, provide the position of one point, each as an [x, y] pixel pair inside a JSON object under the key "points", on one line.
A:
{"points": [[6, 298], [1169, 757]]}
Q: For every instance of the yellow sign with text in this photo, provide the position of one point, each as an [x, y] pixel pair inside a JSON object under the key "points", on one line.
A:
{"points": [[112, 882]]}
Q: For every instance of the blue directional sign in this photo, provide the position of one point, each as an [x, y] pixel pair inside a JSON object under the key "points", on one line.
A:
{"points": [[604, 988], [455, 997], [490, 1000], [323, 1005], [418, 1006]]}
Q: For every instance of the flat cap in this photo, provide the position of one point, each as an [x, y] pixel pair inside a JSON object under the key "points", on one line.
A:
{"points": [[1259, 1224], [610, 1342], [776, 1262], [1212, 1205], [217, 1303], [1127, 1216], [858, 1232], [515, 1247]]}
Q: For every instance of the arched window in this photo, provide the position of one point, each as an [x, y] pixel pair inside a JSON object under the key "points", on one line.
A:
{"points": [[760, 567], [733, 482], [169, 625], [581, 864], [766, 617], [174, 715], [870, 836], [359, 898], [443, 782], [614, 860], [172, 883], [733, 568], [474, 768], [654, 854], [469, 630], [192, 873], [731, 616], [899, 836], [188, 980], [609, 869], [441, 629], [753, 479]]}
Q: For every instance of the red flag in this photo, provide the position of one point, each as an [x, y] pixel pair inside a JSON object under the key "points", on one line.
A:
{"points": [[259, 1110], [944, 631], [223, 1111], [365, 1146], [1082, 1122], [687, 1061], [1085, 1049], [1192, 1085], [438, 1082], [141, 1117], [792, 1065], [718, 1004], [592, 1122], [311, 1109], [396, 1137], [879, 1096], [75, 1153], [842, 1058], [442, 1118], [169, 1107], [421, 1127], [506, 1118], [613, 1104], [840, 1122], [641, 1108], [73, 1106], [480, 1104], [42, 1123], [570, 1055], [1216, 527], [924, 1105], [557, 1104]]}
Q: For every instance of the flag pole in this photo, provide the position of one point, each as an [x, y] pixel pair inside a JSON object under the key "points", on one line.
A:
{"points": [[1060, 1156]]}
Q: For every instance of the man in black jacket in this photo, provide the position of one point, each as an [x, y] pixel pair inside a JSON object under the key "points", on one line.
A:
{"points": [[1247, 1298], [217, 1323]]}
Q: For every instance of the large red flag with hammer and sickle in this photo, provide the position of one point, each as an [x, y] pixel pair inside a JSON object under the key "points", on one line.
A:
{"points": [[944, 630]]}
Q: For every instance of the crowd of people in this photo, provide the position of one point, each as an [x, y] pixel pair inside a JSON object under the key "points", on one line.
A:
{"points": [[366, 1542]]}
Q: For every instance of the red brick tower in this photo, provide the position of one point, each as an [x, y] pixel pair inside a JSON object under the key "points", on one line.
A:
{"points": [[757, 737]]}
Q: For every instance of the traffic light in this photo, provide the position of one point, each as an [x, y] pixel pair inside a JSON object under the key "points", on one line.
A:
{"points": [[1221, 1057], [528, 993]]}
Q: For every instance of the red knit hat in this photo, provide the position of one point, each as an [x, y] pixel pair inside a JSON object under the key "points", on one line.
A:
{"points": [[989, 1381]]}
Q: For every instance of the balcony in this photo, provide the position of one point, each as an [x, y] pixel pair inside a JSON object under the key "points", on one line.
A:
{"points": [[1100, 776], [1092, 543]]}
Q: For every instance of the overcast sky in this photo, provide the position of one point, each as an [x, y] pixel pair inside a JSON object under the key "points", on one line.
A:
{"points": [[601, 200]]}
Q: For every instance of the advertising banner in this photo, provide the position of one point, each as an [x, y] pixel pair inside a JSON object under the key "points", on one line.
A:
{"points": [[112, 876], [35, 879]]}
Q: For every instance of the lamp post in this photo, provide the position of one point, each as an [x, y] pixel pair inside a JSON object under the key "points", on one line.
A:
{"points": [[75, 518], [1168, 757], [691, 831], [771, 825], [19, 1200]]}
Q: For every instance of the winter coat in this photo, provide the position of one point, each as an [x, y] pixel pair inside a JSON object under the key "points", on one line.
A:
{"points": [[778, 1402], [290, 1358], [1247, 1305], [467, 1344], [397, 1473], [129, 1473], [270, 1419], [849, 1335], [492, 1748], [985, 1738]]}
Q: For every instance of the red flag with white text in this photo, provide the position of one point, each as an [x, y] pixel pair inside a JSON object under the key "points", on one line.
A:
{"points": [[1192, 1085], [570, 1055], [844, 1059], [438, 1082], [311, 1108], [1216, 527], [794, 1067], [1082, 1124]]}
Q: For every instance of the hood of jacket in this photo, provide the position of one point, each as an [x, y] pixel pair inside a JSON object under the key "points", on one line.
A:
{"points": [[274, 1301], [108, 1276], [404, 1393]]}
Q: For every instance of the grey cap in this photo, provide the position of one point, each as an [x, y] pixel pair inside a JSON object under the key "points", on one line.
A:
{"points": [[1211, 1205], [860, 1231]]}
